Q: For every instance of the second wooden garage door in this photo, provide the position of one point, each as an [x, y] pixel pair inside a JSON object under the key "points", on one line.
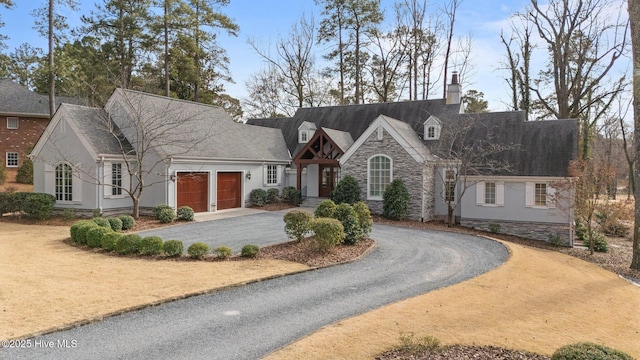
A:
{"points": [[229, 190], [193, 190]]}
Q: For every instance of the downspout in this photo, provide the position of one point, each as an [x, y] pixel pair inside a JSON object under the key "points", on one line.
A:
{"points": [[100, 192], [423, 197]]}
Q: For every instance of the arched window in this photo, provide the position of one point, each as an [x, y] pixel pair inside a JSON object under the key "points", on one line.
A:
{"points": [[380, 174], [64, 183]]}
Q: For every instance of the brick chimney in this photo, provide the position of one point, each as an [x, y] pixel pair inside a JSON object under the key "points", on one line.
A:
{"points": [[454, 90]]}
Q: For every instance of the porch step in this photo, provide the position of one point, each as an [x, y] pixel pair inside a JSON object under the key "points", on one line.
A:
{"points": [[312, 202]]}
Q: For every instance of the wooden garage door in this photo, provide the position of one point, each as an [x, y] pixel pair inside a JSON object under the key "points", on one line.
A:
{"points": [[193, 190], [229, 190]]}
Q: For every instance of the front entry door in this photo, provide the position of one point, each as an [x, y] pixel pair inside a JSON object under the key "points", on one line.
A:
{"points": [[328, 180]]}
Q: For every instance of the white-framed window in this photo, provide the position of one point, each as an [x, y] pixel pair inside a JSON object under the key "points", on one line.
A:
{"points": [[116, 179], [64, 182], [380, 175], [539, 195], [449, 185], [272, 175], [12, 122], [12, 159], [304, 136], [431, 132], [490, 193], [432, 128]]}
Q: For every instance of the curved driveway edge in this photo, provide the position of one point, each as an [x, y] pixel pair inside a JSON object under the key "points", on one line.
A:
{"points": [[251, 321]]}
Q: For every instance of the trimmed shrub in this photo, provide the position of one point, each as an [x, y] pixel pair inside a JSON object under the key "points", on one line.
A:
{"points": [[94, 236], [39, 205], [150, 245], [158, 208], [273, 196], [115, 223], [185, 213], [3, 174], [328, 233], [128, 222], [494, 228], [364, 218], [73, 230], [69, 214], [250, 251], [128, 244], [347, 191], [7, 203], [258, 197], [599, 242], [173, 248], [166, 215], [347, 216], [101, 222], [325, 209], [297, 223], [25, 172], [81, 233], [291, 195], [588, 351], [109, 240], [197, 250], [223, 252], [395, 200]]}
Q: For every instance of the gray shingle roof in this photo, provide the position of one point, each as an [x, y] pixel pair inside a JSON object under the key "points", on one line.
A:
{"points": [[202, 131], [18, 99], [342, 138]]}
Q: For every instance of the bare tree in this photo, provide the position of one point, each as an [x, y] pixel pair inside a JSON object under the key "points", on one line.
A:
{"points": [[450, 9], [266, 98], [388, 57], [519, 48], [461, 155], [634, 17]]}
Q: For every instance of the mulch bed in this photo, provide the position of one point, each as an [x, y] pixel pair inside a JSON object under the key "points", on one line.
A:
{"points": [[461, 352]]}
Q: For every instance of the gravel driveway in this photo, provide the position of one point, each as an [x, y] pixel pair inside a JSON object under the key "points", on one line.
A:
{"points": [[251, 321]]}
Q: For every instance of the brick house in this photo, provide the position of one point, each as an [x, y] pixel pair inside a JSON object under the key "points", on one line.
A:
{"points": [[23, 117]]}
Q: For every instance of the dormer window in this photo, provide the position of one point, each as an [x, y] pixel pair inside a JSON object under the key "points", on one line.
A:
{"points": [[305, 132], [432, 128]]}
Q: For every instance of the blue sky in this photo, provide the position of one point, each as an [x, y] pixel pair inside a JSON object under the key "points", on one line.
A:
{"points": [[267, 20]]}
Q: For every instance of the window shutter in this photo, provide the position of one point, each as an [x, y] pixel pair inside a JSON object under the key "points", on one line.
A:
{"points": [[279, 174], [49, 179], [551, 197], [530, 194], [480, 188], [76, 186], [500, 193], [264, 174], [107, 180], [126, 180]]}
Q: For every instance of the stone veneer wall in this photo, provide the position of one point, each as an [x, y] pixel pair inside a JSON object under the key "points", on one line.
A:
{"points": [[535, 231], [404, 167]]}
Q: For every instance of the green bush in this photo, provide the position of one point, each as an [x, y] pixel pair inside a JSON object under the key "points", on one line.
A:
{"points": [[81, 233], [297, 223], [291, 195], [128, 244], [395, 200], [599, 242], [588, 351], [273, 196], [197, 250], [158, 208], [258, 197], [347, 191], [325, 209], [223, 252], [128, 222], [250, 251], [580, 229], [185, 213], [150, 245], [327, 233], [7, 203], [73, 230], [494, 228], [3, 173], [364, 218], [25, 172], [173, 248], [69, 214], [166, 215], [347, 216], [101, 222], [115, 223], [109, 241], [94, 236], [39, 205]]}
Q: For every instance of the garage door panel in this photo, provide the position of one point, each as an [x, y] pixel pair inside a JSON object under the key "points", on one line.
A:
{"points": [[193, 191], [229, 190]]}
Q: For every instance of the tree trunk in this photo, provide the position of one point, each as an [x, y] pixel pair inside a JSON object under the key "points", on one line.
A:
{"points": [[136, 207], [52, 77], [449, 215], [634, 16], [167, 84]]}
